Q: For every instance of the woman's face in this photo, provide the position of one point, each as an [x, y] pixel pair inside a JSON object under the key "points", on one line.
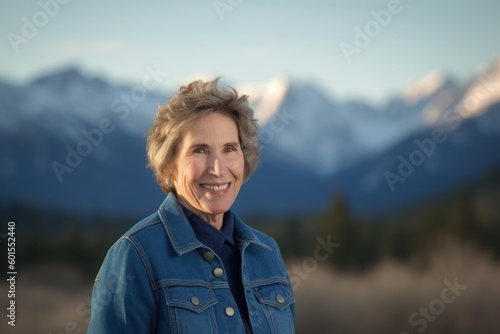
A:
{"points": [[209, 167]]}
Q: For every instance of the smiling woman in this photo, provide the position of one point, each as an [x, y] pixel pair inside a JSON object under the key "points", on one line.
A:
{"points": [[209, 167], [195, 266]]}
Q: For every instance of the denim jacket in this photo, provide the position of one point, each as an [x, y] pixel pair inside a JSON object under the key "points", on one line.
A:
{"points": [[158, 278]]}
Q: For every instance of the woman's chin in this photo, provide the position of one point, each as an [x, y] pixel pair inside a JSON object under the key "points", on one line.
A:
{"points": [[218, 208]]}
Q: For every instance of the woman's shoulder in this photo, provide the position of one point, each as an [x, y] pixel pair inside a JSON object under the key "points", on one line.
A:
{"points": [[144, 226], [249, 233], [144, 233], [147, 237], [264, 238]]}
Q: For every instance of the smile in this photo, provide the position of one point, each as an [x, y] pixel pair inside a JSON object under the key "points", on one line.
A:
{"points": [[215, 187]]}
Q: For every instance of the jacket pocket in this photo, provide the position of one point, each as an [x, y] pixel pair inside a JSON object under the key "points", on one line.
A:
{"points": [[276, 300], [190, 309]]}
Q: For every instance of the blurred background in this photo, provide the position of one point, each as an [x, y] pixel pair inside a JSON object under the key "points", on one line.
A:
{"points": [[380, 156]]}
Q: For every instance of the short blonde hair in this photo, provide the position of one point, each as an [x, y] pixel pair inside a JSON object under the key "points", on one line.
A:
{"points": [[191, 103]]}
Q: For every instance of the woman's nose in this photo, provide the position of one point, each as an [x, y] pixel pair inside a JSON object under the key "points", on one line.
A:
{"points": [[217, 167]]}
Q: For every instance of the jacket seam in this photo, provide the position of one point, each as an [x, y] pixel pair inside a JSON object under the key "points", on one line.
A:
{"points": [[145, 261], [140, 228]]}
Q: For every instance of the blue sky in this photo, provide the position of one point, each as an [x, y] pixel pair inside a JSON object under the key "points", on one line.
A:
{"points": [[254, 42]]}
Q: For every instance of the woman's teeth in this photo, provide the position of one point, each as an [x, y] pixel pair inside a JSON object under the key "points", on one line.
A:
{"points": [[209, 187]]}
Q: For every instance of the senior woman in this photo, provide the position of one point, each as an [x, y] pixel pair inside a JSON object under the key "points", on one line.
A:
{"points": [[194, 266]]}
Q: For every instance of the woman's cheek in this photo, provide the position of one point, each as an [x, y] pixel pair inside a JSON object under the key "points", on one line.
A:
{"points": [[191, 167], [236, 166]]}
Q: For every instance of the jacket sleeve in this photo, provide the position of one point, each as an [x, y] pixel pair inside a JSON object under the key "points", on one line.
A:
{"points": [[122, 298]]}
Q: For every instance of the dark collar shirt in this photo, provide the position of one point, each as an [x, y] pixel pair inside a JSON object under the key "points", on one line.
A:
{"points": [[223, 243]]}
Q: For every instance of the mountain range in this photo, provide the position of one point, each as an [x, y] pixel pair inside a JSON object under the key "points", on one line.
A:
{"points": [[77, 143]]}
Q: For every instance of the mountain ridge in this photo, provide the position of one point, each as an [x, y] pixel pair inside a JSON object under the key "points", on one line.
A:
{"points": [[311, 144]]}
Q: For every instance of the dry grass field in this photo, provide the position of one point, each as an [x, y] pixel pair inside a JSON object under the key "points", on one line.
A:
{"points": [[383, 299], [55, 299]]}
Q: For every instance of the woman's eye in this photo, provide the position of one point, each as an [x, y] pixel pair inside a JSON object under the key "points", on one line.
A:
{"points": [[199, 150], [230, 149]]}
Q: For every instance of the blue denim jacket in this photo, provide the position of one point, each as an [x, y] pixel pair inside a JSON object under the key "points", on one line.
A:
{"points": [[158, 278]]}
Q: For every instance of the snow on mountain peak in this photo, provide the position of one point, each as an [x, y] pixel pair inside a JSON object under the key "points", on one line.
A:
{"points": [[483, 92], [265, 99], [424, 87]]}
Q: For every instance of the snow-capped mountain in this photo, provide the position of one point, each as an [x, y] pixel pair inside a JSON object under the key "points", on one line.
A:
{"points": [[311, 143], [426, 86], [265, 99], [64, 101], [301, 123]]}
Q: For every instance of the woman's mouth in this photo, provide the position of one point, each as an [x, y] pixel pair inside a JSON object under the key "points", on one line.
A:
{"points": [[215, 187]]}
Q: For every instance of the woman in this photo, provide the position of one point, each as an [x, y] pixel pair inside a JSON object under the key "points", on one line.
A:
{"points": [[194, 266]]}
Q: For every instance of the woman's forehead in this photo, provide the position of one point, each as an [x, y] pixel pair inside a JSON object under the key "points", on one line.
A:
{"points": [[212, 127]]}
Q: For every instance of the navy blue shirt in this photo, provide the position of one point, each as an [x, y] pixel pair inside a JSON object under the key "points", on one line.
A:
{"points": [[222, 242]]}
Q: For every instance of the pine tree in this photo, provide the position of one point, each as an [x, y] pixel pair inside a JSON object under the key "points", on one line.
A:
{"points": [[461, 219], [337, 226]]}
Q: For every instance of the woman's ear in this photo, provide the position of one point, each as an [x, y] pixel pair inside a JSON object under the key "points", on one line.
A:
{"points": [[169, 180]]}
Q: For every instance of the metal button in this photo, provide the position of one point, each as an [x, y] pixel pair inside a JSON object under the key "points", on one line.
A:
{"points": [[195, 301], [209, 256], [218, 272], [280, 299], [229, 311]]}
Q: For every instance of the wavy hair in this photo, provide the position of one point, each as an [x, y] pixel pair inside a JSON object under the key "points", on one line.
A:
{"points": [[192, 102]]}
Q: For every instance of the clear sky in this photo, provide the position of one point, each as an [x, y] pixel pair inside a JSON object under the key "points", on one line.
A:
{"points": [[252, 41]]}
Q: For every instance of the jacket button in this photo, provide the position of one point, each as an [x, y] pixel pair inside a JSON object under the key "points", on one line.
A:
{"points": [[195, 301], [218, 272], [209, 256], [280, 299], [229, 311]]}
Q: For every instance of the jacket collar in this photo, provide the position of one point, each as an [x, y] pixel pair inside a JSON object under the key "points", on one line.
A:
{"points": [[181, 234]]}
